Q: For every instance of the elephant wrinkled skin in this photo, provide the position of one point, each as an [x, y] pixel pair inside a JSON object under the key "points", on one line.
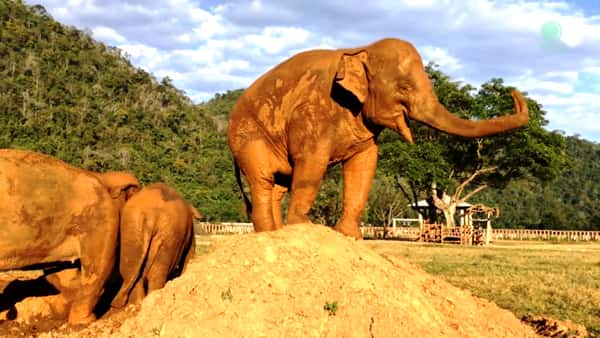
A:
{"points": [[157, 241], [52, 212], [322, 107]]}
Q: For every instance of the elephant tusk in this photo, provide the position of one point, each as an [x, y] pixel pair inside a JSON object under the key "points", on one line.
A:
{"points": [[402, 128]]}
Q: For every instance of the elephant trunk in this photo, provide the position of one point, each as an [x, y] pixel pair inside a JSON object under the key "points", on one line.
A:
{"points": [[438, 117]]}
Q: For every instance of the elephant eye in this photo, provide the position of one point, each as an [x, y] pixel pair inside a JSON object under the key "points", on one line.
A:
{"points": [[401, 99]]}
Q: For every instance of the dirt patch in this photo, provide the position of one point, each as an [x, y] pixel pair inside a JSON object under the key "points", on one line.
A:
{"points": [[28, 304], [305, 281], [549, 327]]}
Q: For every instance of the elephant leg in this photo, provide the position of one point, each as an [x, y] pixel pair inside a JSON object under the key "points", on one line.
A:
{"points": [[259, 164], [359, 171], [262, 204], [67, 282], [98, 251], [306, 179], [278, 193], [163, 256], [157, 276], [137, 293], [189, 254], [133, 254]]}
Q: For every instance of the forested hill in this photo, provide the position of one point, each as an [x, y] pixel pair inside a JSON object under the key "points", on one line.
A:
{"points": [[571, 201], [64, 94]]}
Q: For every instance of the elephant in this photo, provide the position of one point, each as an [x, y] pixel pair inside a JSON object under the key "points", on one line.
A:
{"points": [[157, 241], [52, 213], [66, 279], [322, 107]]}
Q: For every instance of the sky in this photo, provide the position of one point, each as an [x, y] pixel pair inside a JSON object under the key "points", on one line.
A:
{"points": [[548, 49]]}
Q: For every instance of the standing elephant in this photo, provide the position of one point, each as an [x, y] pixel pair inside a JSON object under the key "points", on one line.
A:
{"points": [[321, 107], [52, 212], [157, 241]]}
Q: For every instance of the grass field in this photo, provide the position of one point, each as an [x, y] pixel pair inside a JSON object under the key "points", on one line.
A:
{"points": [[559, 280], [555, 279]]}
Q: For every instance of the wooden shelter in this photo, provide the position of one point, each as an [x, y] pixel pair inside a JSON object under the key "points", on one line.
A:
{"points": [[475, 233], [468, 230]]}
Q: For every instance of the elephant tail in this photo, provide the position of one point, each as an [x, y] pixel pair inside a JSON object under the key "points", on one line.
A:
{"points": [[247, 203]]}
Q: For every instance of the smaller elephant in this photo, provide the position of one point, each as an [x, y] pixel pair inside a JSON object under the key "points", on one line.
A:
{"points": [[157, 241]]}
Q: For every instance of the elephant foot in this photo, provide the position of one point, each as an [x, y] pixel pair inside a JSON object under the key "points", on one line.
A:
{"points": [[350, 231], [78, 318], [119, 302]]}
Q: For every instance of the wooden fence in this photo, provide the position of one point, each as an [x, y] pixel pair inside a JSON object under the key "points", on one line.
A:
{"points": [[532, 234], [497, 234], [413, 232], [397, 232], [223, 228]]}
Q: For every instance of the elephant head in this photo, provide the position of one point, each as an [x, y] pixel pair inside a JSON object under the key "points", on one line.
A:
{"points": [[120, 184], [389, 80]]}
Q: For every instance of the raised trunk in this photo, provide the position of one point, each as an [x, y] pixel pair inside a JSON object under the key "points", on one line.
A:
{"points": [[440, 118]]}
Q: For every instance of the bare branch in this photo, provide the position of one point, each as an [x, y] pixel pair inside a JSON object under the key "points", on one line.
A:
{"points": [[473, 192], [461, 187], [451, 174], [406, 194]]}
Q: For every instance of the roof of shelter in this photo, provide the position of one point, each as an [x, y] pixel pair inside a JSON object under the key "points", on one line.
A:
{"points": [[424, 204]]}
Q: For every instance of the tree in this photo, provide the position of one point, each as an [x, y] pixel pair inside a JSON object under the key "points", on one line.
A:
{"points": [[571, 201], [327, 208], [385, 202]]}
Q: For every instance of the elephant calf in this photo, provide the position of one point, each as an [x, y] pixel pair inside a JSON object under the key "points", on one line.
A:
{"points": [[157, 241]]}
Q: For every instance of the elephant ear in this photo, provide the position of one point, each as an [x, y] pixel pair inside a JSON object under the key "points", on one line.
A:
{"points": [[119, 182], [352, 74], [129, 189]]}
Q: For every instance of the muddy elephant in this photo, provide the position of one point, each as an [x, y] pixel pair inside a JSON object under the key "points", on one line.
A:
{"points": [[66, 279], [52, 212], [321, 107], [157, 241]]}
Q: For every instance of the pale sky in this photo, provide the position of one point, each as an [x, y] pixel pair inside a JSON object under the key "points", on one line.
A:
{"points": [[549, 49]]}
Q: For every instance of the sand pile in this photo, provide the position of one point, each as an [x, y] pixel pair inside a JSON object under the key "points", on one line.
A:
{"points": [[308, 281]]}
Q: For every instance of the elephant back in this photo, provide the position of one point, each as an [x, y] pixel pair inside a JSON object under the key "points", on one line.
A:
{"points": [[44, 202]]}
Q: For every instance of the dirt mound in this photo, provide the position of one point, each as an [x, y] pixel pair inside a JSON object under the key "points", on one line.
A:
{"points": [[308, 281]]}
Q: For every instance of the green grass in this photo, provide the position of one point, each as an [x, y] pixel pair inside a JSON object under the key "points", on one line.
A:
{"points": [[559, 280]]}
